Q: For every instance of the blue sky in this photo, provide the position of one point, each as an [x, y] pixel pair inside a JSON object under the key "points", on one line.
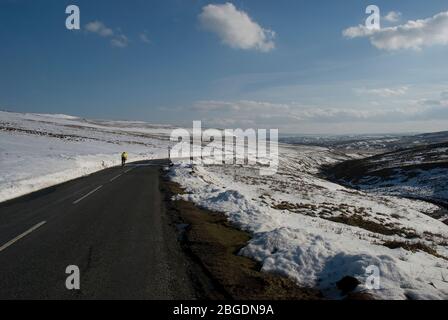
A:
{"points": [[282, 64]]}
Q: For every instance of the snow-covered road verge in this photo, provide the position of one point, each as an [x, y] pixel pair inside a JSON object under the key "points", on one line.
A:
{"points": [[317, 232]]}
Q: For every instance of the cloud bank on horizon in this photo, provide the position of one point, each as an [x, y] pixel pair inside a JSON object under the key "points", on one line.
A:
{"points": [[252, 113]]}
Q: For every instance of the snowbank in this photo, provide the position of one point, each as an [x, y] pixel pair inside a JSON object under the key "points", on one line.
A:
{"points": [[304, 243]]}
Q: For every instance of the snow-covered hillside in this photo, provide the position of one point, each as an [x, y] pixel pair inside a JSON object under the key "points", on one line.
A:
{"points": [[369, 143], [417, 172], [303, 226], [38, 150], [317, 232]]}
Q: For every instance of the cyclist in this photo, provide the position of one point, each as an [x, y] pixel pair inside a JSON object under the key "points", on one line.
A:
{"points": [[124, 158]]}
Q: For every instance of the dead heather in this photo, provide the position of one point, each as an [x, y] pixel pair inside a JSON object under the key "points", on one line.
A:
{"points": [[372, 226], [414, 247], [349, 215]]}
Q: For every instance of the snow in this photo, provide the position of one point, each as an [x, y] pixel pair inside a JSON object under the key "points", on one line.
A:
{"points": [[425, 184], [420, 172], [292, 215], [38, 150], [301, 242]]}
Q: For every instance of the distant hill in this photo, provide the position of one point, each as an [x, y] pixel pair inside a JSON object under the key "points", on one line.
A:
{"points": [[370, 142], [419, 172]]}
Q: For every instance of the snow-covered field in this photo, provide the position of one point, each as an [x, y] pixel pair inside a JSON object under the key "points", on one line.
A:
{"points": [[37, 150], [311, 230], [318, 232]]}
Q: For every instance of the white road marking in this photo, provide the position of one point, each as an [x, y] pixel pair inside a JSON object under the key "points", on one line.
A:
{"points": [[128, 170], [116, 177], [9, 243], [83, 197]]}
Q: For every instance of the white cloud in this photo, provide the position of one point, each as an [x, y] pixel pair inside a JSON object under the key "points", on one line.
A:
{"points": [[242, 105], [444, 95], [236, 28], [392, 16], [144, 37], [358, 31], [99, 28], [385, 92], [414, 34], [438, 102], [120, 41]]}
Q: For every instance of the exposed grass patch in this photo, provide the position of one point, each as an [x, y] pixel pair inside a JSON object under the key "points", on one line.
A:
{"points": [[414, 247], [351, 216], [294, 207], [358, 221], [387, 230]]}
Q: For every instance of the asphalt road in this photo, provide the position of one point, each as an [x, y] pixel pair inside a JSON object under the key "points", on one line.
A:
{"points": [[110, 224]]}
